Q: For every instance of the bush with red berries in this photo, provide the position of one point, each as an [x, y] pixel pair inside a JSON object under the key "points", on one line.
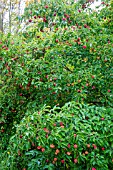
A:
{"points": [[64, 54], [73, 136]]}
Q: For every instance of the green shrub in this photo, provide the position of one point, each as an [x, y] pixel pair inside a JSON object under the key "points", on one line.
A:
{"points": [[54, 62], [75, 136]]}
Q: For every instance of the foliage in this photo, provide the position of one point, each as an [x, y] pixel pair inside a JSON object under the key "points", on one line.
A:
{"points": [[74, 136], [64, 54]]}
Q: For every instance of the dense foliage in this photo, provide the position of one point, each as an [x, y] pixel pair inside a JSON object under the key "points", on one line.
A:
{"points": [[64, 54], [74, 136]]}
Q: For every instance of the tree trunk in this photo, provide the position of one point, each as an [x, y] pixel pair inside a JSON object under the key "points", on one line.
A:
{"points": [[1, 22]]}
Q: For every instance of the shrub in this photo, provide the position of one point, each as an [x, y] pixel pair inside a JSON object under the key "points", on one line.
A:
{"points": [[67, 58], [74, 136]]}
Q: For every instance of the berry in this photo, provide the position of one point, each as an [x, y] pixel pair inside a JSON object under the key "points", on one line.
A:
{"points": [[62, 161], [103, 149], [93, 168], [88, 145], [68, 145], [55, 159], [52, 146], [30, 20], [75, 146], [84, 46], [75, 161], [43, 149]]}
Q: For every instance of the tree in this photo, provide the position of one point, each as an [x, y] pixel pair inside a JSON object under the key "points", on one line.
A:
{"points": [[1, 15]]}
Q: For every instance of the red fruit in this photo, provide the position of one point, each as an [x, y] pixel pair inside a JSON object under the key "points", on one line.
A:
{"points": [[54, 124], [75, 146], [21, 136], [79, 10], [68, 145], [79, 39], [84, 46], [20, 86], [67, 16], [56, 40], [75, 161], [2, 130], [24, 169], [68, 153], [85, 26], [109, 90], [93, 76], [6, 48], [46, 135], [108, 42], [79, 91], [86, 152], [30, 20], [29, 84], [44, 20], [88, 145], [52, 146], [103, 149], [93, 168], [64, 19], [55, 78], [54, 92], [54, 14], [20, 94], [75, 135], [62, 161], [43, 149], [35, 17], [95, 147], [46, 6], [49, 88], [54, 84], [61, 123], [46, 76], [79, 43], [93, 87], [46, 130], [39, 147], [57, 151], [47, 160], [102, 118], [55, 159]]}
